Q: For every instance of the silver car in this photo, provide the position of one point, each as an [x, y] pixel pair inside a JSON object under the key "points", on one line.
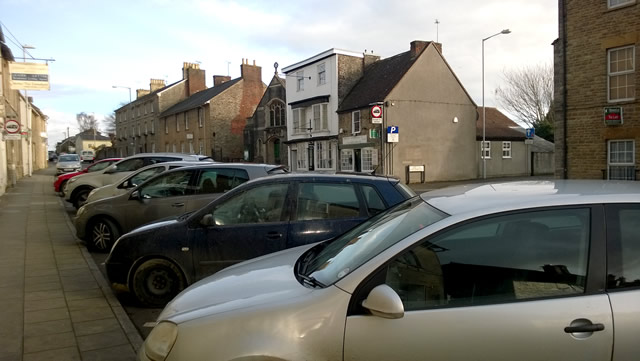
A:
{"points": [[68, 163], [515, 271], [168, 194]]}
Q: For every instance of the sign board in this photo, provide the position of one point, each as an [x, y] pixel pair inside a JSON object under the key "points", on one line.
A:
{"points": [[358, 139], [29, 76], [613, 116], [530, 132], [528, 141], [189, 135], [416, 168], [376, 114], [392, 134], [12, 126], [374, 134]]}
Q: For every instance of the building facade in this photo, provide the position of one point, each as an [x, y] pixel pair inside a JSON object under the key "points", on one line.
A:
{"points": [[212, 121], [266, 131], [597, 110]]}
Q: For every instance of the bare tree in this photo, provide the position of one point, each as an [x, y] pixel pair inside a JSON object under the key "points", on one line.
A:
{"points": [[528, 94], [87, 122], [110, 123]]}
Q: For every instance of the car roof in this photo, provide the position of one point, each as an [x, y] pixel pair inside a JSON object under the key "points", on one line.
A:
{"points": [[505, 196], [310, 176]]}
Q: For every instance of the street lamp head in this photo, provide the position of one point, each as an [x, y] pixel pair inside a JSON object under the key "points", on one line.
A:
{"points": [[25, 46], [505, 31]]}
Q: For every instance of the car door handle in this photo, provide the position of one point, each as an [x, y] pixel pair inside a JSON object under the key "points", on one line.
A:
{"points": [[177, 205], [584, 328], [274, 235]]}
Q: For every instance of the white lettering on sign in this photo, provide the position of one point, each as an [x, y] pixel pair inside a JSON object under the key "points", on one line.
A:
{"points": [[12, 127]]}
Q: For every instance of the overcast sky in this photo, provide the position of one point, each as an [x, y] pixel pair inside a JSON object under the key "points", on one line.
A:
{"points": [[100, 44]]}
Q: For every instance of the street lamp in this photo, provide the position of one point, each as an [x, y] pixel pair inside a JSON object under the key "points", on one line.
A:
{"points": [[125, 87], [484, 120]]}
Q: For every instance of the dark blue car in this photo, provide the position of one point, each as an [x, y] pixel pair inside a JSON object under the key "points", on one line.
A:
{"points": [[266, 215]]}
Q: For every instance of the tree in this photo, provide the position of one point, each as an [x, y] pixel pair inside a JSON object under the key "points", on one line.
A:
{"points": [[87, 122], [110, 123], [528, 94]]}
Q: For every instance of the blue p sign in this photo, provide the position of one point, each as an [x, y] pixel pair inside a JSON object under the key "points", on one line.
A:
{"points": [[392, 129]]}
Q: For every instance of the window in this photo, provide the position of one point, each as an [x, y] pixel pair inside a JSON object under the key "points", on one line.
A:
{"points": [[186, 121], [191, 149], [302, 156], [200, 117], [139, 112], [144, 175], [153, 126], [167, 147], [506, 149], [298, 121], [368, 164], [324, 150], [200, 147], [220, 180], [320, 117], [621, 160], [300, 81], [623, 253], [129, 165], [621, 80], [346, 160], [485, 151], [146, 108], [322, 74], [151, 106], [355, 122], [617, 3], [375, 204], [501, 259], [146, 130], [261, 204], [153, 146], [181, 147], [173, 184], [277, 113], [166, 125], [326, 201]]}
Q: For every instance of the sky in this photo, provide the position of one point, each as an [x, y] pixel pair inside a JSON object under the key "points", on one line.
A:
{"points": [[99, 44]]}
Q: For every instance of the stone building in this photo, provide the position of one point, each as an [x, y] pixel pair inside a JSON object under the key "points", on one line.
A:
{"points": [[137, 122], [212, 121], [266, 131], [418, 94], [597, 110]]}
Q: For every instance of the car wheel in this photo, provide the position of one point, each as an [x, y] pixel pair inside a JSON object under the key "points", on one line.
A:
{"points": [[157, 281], [64, 183], [102, 234], [81, 197]]}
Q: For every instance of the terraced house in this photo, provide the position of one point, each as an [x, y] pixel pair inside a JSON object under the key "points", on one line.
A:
{"points": [[597, 110]]}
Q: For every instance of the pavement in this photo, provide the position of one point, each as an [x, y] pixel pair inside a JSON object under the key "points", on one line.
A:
{"points": [[54, 302]]}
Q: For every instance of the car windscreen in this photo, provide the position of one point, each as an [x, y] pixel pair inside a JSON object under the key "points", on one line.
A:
{"points": [[69, 158], [344, 254]]}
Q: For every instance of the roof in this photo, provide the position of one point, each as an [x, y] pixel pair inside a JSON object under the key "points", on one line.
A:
{"points": [[147, 96], [199, 98], [498, 126], [325, 54], [378, 81], [89, 135], [495, 197]]}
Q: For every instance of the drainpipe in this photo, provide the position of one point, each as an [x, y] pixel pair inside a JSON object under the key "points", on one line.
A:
{"points": [[564, 90]]}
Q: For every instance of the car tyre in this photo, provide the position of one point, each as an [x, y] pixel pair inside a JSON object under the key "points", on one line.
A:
{"points": [[80, 199], [102, 235], [64, 183], [157, 281]]}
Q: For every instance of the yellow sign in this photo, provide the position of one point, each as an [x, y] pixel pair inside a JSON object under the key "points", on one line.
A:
{"points": [[29, 76]]}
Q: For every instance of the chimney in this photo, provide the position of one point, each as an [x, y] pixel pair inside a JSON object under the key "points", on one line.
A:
{"points": [[369, 59], [250, 72], [219, 79], [195, 78], [156, 84], [141, 92], [417, 46]]}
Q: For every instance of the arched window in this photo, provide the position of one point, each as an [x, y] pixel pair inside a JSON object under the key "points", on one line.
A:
{"points": [[277, 114]]}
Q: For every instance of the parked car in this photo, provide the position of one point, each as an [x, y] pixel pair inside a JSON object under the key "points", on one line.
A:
{"points": [[61, 180], [78, 188], [132, 180], [270, 214], [539, 269], [87, 155], [53, 157], [168, 194], [68, 163]]}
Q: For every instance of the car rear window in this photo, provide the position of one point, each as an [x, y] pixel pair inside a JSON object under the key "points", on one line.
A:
{"points": [[277, 170], [405, 189]]}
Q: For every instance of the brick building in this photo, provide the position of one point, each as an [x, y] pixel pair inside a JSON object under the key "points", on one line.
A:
{"points": [[137, 122], [212, 121], [596, 103]]}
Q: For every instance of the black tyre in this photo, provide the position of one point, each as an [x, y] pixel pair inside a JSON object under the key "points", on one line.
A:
{"points": [[102, 234], [80, 198], [157, 281], [64, 183]]}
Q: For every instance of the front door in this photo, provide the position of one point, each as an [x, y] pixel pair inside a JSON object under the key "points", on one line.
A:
{"points": [[251, 224], [511, 287]]}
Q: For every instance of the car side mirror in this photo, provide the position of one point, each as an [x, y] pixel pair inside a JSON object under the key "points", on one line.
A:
{"points": [[384, 302], [208, 220], [136, 195], [111, 169]]}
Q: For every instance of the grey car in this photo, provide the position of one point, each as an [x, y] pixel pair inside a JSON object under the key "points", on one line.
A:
{"points": [[171, 193], [533, 271], [68, 163]]}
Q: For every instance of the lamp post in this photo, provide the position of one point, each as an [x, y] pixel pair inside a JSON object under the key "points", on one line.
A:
{"points": [[484, 120], [125, 87]]}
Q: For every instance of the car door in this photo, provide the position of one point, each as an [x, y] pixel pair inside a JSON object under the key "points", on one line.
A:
{"points": [[249, 224], [623, 277], [323, 210], [508, 287], [163, 196]]}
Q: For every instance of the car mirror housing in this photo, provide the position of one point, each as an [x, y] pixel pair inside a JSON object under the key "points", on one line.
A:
{"points": [[111, 169], [384, 302], [135, 195], [208, 220]]}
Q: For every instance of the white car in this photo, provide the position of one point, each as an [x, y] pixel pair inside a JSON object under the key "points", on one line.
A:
{"points": [[78, 188], [535, 271], [68, 163]]}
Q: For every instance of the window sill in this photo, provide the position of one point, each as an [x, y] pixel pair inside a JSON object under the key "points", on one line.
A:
{"points": [[609, 9]]}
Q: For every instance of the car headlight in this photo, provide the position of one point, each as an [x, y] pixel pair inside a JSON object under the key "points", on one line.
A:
{"points": [[160, 341]]}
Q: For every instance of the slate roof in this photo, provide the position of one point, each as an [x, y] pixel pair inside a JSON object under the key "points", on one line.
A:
{"points": [[88, 135], [199, 98], [498, 126], [145, 97], [378, 80]]}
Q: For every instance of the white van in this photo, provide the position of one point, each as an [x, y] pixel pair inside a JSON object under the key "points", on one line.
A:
{"points": [[87, 155]]}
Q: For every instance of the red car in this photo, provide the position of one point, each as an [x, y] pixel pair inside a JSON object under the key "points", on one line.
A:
{"points": [[61, 180]]}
